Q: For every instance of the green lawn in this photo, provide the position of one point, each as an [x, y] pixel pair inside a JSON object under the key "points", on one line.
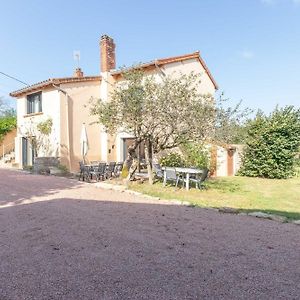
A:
{"points": [[281, 197]]}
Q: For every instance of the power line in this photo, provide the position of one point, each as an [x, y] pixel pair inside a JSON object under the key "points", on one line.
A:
{"points": [[14, 78]]}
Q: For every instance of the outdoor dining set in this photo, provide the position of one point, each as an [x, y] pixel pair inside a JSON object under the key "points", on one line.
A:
{"points": [[177, 175], [99, 170], [180, 175]]}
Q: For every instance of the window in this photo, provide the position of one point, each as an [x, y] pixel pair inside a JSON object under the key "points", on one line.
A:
{"points": [[34, 103]]}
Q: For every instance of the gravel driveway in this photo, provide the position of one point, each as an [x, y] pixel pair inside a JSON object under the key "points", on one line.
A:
{"points": [[61, 239]]}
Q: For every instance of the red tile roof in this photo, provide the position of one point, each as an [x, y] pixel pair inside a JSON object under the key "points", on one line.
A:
{"points": [[50, 82], [158, 62], [169, 60]]}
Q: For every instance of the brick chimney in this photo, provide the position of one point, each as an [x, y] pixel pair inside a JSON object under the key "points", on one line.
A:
{"points": [[107, 53], [78, 73]]}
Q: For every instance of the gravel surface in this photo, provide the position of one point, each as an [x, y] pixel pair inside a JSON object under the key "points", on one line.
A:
{"points": [[61, 239]]}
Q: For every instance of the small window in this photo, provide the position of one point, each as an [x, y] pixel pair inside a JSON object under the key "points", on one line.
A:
{"points": [[34, 103]]}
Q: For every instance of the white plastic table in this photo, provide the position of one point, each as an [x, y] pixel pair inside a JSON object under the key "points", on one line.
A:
{"points": [[186, 171]]}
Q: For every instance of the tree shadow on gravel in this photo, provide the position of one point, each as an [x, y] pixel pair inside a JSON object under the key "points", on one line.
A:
{"points": [[17, 186], [84, 249], [287, 214]]}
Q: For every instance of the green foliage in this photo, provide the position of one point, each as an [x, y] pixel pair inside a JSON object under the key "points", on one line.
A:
{"points": [[38, 135], [164, 112], [7, 123], [28, 168], [231, 123], [45, 127], [196, 155], [272, 144], [172, 160], [63, 168], [159, 112], [5, 110], [124, 172], [275, 196], [297, 166]]}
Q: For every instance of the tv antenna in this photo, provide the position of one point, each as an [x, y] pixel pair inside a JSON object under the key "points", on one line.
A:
{"points": [[76, 56]]}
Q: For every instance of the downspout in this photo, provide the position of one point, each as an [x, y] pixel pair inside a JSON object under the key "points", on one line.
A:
{"points": [[67, 120]]}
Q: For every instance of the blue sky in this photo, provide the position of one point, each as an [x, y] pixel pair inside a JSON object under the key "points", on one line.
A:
{"points": [[252, 47]]}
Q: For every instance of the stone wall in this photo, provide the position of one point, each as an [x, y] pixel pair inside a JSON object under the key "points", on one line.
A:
{"points": [[42, 165]]}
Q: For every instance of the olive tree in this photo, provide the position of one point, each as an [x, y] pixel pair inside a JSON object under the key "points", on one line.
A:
{"points": [[162, 113]]}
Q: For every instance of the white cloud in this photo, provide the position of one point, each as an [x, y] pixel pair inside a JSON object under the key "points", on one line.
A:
{"points": [[247, 54]]}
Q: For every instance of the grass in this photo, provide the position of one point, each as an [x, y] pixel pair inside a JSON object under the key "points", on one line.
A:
{"points": [[280, 197]]}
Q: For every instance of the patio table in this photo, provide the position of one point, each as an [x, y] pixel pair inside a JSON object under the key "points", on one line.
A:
{"points": [[186, 171]]}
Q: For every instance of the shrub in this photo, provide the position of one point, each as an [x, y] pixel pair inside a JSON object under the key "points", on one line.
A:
{"points": [[28, 168], [272, 144], [297, 166], [172, 160], [45, 127], [125, 172], [7, 123], [196, 155], [63, 168]]}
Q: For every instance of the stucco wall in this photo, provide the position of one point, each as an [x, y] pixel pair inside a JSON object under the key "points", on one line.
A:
{"points": [[237, 158], [108, 143], [221, 161], [70, 110], [175, 69], [27, 123], [192, 65], [76, 105]]}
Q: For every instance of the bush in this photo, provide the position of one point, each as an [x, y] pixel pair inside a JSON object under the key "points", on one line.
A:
{"points": [[125, 172], [45, 127], [28, 168], [196, 155], [172, 160], [7, 123], [272, 144], [297, 166], [63, 168]]}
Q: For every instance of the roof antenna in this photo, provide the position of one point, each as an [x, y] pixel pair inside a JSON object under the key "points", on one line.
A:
{"points": [[76, 57]]}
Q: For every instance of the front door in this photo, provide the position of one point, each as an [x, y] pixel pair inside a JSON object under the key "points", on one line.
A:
{"points": [[24, 152], [230, 166], [140, 151], [28, 154]]}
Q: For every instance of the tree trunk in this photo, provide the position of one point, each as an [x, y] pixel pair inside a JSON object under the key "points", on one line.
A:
{"points": [[131, 158], [139, 158], [148, 157]]}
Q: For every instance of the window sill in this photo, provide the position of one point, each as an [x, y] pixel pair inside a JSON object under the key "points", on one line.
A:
{"points": [[33, 114]]}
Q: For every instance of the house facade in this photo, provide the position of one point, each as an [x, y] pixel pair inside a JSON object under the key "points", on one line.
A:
{"points": [[66, 102]]}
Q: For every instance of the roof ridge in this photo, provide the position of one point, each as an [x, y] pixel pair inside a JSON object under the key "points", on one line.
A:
{"points": [[159, 61], [49, 81], [193, 54], [172, 59]]}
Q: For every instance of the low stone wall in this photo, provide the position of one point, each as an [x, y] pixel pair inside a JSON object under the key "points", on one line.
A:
{"points": [[42, 165]]}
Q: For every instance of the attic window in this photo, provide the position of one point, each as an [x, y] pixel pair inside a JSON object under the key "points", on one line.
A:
{"points": [[34, 103]]}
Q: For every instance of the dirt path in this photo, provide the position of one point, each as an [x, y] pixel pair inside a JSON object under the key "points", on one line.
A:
{"points": [[60, 239]]}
